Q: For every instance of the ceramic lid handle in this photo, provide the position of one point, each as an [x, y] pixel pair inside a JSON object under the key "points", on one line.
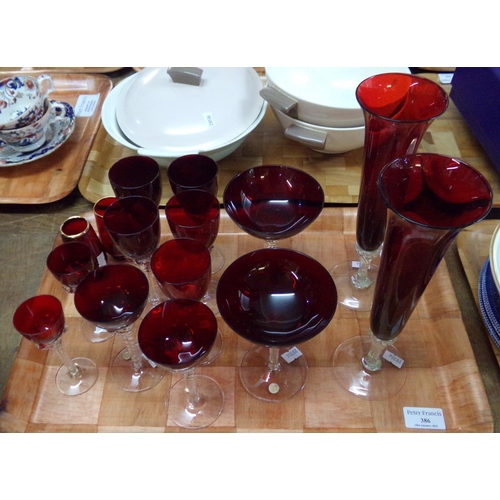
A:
{"points": [[188, 76], [312, 138], [280, 101]]}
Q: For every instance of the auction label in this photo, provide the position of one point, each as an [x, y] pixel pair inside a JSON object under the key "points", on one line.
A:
{"points": [[291, 355], [424, 418], [86, 104]]}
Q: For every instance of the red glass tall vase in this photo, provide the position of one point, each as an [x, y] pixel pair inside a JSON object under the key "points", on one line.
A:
{"points": [[430, 199], [398, 109]]}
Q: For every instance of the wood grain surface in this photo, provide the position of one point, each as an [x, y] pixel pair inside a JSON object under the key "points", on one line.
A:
{"points": [[442, 371], [54, 176]]}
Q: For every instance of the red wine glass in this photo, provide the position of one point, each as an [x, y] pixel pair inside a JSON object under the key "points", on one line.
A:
{"points": [[182, 268], [70, 262], [133, 224], [41, 320], [276, 298], [100, 208], [196, 214], [193, 171], [430, 198], [273, 202], [177, 335], [136, 176], [398, 109], [113, 298]]}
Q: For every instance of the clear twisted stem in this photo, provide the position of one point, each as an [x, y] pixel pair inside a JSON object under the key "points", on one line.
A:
{"points": [[71, 366], [361, 279], [154, 297], [373, 360], [274, 362], [133, 349], [194, 398]]}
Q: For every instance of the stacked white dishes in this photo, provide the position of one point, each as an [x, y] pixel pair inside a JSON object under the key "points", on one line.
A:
{"points": [[166, 113], [317, 107], [489, 289]]}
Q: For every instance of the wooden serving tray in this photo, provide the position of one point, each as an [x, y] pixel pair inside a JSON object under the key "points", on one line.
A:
{"points": [[473, 245], [54, 176], [442, 371]]}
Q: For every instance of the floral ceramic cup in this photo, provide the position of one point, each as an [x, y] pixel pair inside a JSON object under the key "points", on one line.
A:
{"points": [[22, 100]]}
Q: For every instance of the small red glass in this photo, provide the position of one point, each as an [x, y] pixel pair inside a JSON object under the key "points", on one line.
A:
{"points": [[41, 320], [136, 176], [133, 224], [194, 171], [100, 208], [78, 228], [430, 198], [178, 335], [113, 298], [70, 262]]}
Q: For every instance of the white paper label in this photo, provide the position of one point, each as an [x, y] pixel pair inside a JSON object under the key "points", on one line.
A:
{"points": [[355, 264], [392, 358], [291, 355], [424, 418], [445, 77], [86, 104]]}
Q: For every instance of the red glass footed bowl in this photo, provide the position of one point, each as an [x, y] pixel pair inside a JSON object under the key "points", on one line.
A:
{"points": [[178, 333], [112, 296], [273, 201], [276, 297]]}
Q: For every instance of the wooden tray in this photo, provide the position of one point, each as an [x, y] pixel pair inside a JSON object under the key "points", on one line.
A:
{"points": [[339, 175], [473, 245], [54, 176], [441, 365], [61, 69]]}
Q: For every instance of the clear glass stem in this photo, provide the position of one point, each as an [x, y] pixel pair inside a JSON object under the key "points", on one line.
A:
{"points": [[194, 398], [373, 360], [72, 367], [154, 297], [274, 361], [361, 278], [270, 244], [133, 349]]}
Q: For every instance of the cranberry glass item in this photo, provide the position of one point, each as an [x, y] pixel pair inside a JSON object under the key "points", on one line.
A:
{"points": [[100, 208], [195, 214], [193, 172], [113, 298], [398, 109], [430, 199], [273, 202], [70, 262], [41, 320], [136, 176], [275, 298], [78, 228], [133, 223], [178, 335]]}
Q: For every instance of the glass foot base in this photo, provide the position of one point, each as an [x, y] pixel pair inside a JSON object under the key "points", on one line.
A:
{"points": [[359, 299], [94, 334], [274, 386], [122, 371], [73, 386], [202, 414], [353, 377]]}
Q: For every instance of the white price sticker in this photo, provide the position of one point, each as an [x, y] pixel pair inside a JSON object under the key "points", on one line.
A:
{"points": [[291, 355], [392, 358], [445, 77], [424, 418], [86, 104], [355, 264]]}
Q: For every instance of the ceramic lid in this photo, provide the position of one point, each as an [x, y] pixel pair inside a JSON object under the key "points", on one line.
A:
{"points": [[188, 109]]}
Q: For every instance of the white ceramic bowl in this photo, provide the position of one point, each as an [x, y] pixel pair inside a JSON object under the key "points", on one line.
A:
{"points": [[165, 157], [319, 96], [495, 256], [331, 140]]}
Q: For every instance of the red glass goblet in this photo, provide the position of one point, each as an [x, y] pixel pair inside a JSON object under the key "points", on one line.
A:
{"points": [[273, 202], [430, 199], [136, 176], [41, 320], [177, 335], [113, 298], [195, 214], [100, 208], [70, 262], [133, 224], [193, 171], [398, 109], [276, 298]]}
